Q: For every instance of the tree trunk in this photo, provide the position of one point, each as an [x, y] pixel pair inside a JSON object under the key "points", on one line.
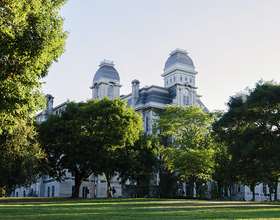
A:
{"points": [[229, 192], [275, 193], [78, 181], [191, 189], [109, 179], [197, 190], [220, 190], [270, 192], [253, 191]]}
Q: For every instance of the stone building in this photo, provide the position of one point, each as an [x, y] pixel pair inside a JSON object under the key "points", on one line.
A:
{"points": [[179, 88]]}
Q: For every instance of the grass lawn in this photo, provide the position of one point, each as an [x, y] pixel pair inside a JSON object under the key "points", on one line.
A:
{"points": [[127, 208]]}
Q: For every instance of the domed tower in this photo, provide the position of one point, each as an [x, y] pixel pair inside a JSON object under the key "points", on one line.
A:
{"points": [[106, 81], [179, 77]]}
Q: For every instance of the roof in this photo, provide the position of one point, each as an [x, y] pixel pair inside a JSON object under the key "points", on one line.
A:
{"points": [[156, 96], [178, 56], [106, 70]]}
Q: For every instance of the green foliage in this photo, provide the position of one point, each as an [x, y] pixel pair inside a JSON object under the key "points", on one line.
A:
{"points": [[2, 192], [189, 148], [31, 37], [86, 137], [138, 162], [251, 130], [223, 169], [20, 157]]}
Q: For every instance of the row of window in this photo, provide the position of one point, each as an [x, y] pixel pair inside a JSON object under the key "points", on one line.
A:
{"points": [[173, 79]]}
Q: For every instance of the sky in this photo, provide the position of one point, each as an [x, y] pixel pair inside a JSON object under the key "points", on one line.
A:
{"points": [[233, 44]]}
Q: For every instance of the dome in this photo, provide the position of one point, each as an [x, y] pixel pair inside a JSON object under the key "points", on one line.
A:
{"points": [[178, 56], [106, 70]]}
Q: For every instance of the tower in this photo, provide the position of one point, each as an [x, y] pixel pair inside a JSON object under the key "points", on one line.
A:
{"points": [[179, 77], [106, 81]]}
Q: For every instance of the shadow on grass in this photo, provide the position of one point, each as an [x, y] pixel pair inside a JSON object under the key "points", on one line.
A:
{"points": [[130, 208]]}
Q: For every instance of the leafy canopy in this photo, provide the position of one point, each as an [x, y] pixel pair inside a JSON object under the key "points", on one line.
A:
{"points": [[31, 37], [251, 130], [190, 147], [86, 135]]}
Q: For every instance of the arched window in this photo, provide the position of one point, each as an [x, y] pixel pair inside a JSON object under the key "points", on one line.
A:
{"points": [[52, 191], [49, 191], [186, 79], [97, 92], [181, 78], [147, 123], [110, 92], [186, 98]]}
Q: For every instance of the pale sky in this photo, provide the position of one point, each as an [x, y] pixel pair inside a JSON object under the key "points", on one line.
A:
{"points": [[233, 44]]}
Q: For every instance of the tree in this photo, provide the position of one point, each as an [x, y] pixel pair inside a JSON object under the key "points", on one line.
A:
{"points": [[31, 37], [20, 157], [190, 151], [139, 163], [85, 135], [251, 130], [223, 170]]}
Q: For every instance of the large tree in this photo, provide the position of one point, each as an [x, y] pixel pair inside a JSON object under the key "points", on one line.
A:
{"points": [[20, 155], [86, 135], [190, 150], [251, 130], [31, 38]]}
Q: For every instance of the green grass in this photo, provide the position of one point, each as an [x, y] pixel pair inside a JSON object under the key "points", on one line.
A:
{"points": [[124, 208]]}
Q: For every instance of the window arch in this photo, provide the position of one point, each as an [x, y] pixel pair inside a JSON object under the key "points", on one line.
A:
{"points": [[110, 92]]}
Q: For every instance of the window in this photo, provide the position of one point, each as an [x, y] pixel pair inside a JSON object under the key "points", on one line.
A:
{"points": [[186, 100], [49, 191], [110, 92], [186, 79], [73, 190], [181, 78], [24, 193], [147, 123], [170, 80], [16, 194], [52, 191], [167, 82], [174, 79], [190, 80], [84, 192], [264, 189], [97, 93]]}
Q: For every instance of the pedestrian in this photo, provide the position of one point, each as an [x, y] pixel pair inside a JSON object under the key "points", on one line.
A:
{"points": [[88, 192], [114, 192]]}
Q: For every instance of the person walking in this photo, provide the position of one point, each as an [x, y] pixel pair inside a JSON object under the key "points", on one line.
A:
{"points": [[114, 192]]}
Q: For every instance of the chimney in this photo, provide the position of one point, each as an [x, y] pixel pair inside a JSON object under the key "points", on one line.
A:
{"points": [[135, 91]]}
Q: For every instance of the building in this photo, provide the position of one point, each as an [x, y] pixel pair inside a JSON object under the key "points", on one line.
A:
{"points": [[179, 88]]}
